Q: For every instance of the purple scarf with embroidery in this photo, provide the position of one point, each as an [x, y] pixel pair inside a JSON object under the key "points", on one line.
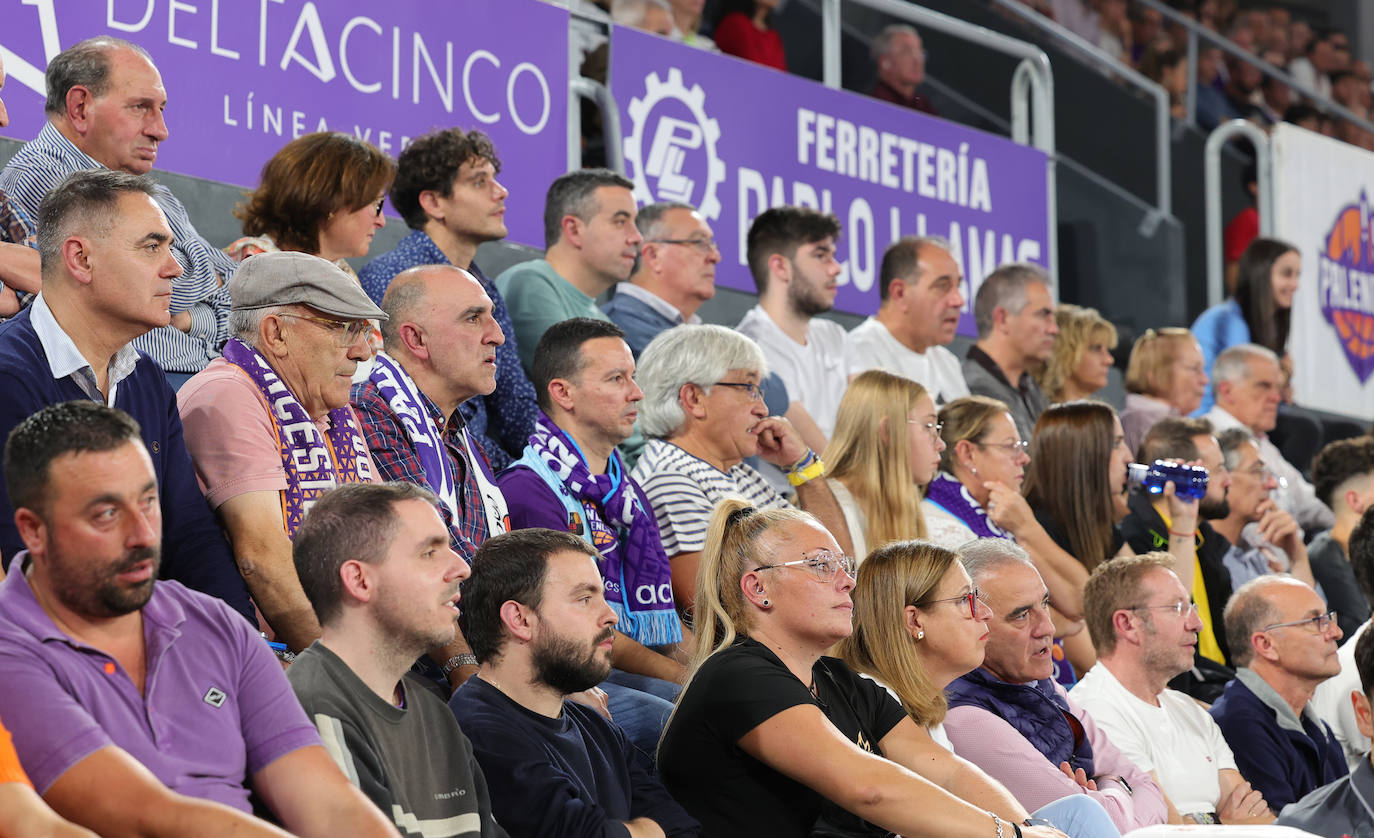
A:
{"points": [[637, 576], [314, 463]]}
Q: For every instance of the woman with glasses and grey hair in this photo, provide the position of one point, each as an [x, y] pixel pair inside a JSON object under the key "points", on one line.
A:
{"points": [[770, 737], [703, 415]]}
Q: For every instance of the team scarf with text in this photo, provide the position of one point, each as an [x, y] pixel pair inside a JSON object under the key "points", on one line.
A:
{"points": [[314, 462], [642, 564]]}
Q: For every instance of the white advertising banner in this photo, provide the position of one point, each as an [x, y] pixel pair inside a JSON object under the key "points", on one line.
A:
{"points": [[1323, 190]]}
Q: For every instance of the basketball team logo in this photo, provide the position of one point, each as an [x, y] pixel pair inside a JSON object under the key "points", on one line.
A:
{"points": [[1345, 282], [671, 149]]}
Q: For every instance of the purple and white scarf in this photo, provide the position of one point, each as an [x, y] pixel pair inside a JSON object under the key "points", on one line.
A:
{"points": [[314, 463]]}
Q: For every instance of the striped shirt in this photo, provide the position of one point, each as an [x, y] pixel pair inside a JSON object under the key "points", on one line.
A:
{"points": [[684, 489], [46, 160], [16, 228]]}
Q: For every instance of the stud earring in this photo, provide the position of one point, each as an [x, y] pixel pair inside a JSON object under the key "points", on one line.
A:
{"points": [[766, 603], [920, 634]]}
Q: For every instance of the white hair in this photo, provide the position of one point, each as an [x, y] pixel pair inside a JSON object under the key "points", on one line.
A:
{"points": [[687, 354]]}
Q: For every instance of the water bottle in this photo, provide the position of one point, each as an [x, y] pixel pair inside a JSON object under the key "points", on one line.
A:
{"points": [[1190, 482]]}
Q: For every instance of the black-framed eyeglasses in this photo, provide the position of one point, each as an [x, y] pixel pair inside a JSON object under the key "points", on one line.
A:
{"points": [[1321, 621], [756, 391], [707, 245], [380, 204], [974, 598], [1179, 608], [345, 331], [1020, 446], [823, 564]]}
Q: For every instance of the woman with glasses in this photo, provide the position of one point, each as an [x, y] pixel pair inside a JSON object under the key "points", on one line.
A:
{"points": [[977, 494], [1166, 376], [320, 194], [919, 623], [886, 446], [770, 737]]}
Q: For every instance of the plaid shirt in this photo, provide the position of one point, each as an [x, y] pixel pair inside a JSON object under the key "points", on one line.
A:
{"points": [[396, 460], [17, 228]]}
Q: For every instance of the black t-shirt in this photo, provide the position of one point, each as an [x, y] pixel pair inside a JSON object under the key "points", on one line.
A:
{"points": [[1060, 536], [735, 691]]}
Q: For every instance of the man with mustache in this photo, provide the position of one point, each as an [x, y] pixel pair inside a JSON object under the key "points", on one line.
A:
{"points": [[440, 341], [139, 706], [1016, 329], [109, 272], [590, 242], [537, 618], [269, 426], [375, 562], [1150, 526], [1144, 630], [572, 478]]}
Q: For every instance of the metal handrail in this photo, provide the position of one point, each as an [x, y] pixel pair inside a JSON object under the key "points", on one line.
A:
{"points": [[600, 96], [1163, 146], [1195, 30], [1216, 270], [1032, 80]]}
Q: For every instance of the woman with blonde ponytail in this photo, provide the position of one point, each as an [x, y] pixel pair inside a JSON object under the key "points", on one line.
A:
{"points": [[770, 737]]}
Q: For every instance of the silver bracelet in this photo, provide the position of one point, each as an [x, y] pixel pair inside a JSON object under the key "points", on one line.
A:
{"points": [[998, 822], [465, 659]]}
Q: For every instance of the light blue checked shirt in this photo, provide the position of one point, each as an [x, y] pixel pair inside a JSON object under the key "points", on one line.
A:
{"points": [[47, 160]]}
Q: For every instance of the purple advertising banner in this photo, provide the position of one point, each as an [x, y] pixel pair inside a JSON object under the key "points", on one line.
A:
{"points": [[244, 77], [733, 139]]}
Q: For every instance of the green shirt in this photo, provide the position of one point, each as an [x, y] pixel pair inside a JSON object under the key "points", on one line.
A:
{"points": [[538, 297]]}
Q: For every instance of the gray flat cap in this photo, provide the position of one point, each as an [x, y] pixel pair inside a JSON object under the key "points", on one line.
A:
{"points": [[291, 278]]}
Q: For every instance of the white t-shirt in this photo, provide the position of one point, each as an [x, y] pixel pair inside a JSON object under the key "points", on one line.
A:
{"points": [[1331, 702], [854, 517], [872, 346], [944, 528], [813, 372], [1177, 740]]}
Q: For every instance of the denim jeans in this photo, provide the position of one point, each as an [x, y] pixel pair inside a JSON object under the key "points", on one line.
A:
{"points": [[641, 706]]}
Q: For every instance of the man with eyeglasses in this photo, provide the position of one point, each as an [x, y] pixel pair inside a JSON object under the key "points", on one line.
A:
{"points": [[572, 478], [1144, 630], [1283, 641], [1016, 328], [107, 272], [104, 109], [1011, 719], [1247, 382], [1264, 537], [269, 425], [1157, 522]]}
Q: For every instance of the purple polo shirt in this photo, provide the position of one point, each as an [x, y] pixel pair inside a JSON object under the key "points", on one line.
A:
{"points": [[216, 706]]}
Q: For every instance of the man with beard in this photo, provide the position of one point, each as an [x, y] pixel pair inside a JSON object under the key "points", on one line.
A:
{"points": [[1147, 528], [374, 560], [572, 478], [791, 253], [537, 619], [139, 706], [1144, 631], [1284, 643], [1016, 329]]}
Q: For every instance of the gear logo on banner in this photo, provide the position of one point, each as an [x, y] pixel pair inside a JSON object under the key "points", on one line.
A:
{"points": [[681, 163], [1345, 284]]}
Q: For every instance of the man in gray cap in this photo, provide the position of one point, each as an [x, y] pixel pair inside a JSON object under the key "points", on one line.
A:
{"points": [[269, 426]]}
